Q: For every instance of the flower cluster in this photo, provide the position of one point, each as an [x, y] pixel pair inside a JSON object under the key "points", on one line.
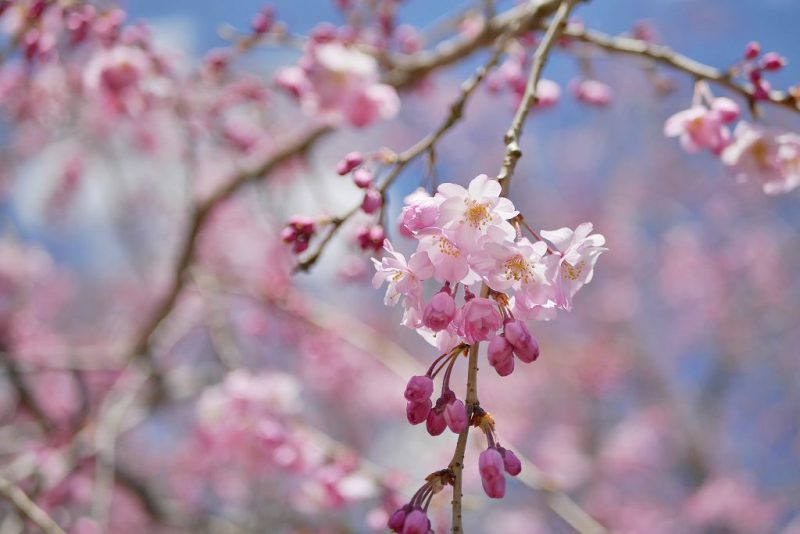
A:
{"points": [[339, 82], [468, 236], [751, 151]]}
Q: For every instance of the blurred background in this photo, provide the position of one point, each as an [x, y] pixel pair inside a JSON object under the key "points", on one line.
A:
{"points": [[667, 401]]}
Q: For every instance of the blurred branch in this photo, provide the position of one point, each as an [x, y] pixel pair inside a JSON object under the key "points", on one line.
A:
{"points": [[24, 505], [663, 55], [144, 340], [399, 361]]}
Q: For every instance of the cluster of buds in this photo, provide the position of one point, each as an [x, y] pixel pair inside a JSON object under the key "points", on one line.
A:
{"points": [[495, 461], [412, 518], [298, 232], [754, 65]]}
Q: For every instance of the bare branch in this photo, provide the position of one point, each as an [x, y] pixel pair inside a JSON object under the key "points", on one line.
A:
{"points": [[24, 505], [665, 56]]}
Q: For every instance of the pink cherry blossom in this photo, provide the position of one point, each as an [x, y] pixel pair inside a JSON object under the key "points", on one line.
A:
{"points": [[770, 158], [592, 92], [405, 278], [439, 312], [420, 213], [478, 320], [579, 252], [416, 523], [699, 128], [511, 463], [450, 262], [467, 214]]}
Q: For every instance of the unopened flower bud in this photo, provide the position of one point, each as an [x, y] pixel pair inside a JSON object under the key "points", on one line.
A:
{"points": [[350, 161], [372, 201]]}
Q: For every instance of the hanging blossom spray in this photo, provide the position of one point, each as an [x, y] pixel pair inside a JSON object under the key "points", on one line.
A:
{"points": [[468, 239]]}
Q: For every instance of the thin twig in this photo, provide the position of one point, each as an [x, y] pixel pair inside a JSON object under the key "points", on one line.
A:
{"points": [[665, 56], [24, 505], [511, 139]]}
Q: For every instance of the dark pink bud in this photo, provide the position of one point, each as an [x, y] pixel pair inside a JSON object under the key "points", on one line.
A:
{"points": [[455, 415], [262, 21], [439, 312], [752, 50], [501, 355], [416, 523], [372, 201], [525, 346], [490, 466], [761, 90], [417, 412], [362, 178], [727, 110], [772, 61], [350, 161], [323, 33], [371, 238], [288, 235], [511, 463], [435, 422], [419, 388], [398, 518]]}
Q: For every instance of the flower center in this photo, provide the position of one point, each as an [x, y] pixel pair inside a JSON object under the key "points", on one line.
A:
{"points": [[570, 272], [447, 247], [518, 268], [477, 213]]}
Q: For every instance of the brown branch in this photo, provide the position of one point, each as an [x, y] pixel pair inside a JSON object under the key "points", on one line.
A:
{"points": [[24, 505], [511, 139], [408, 70], [665, 56], [142, 347]]}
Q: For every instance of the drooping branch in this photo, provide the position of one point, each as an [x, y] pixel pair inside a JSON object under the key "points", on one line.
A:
{"points": [[663, 55], [200, 215]]}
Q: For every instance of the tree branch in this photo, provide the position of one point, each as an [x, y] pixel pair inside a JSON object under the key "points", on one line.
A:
{"points": [[23, 504], [665, 56]]}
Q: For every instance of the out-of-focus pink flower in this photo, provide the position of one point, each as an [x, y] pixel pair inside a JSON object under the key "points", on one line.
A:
{"points": [[591, 92], [478, 320], [768, 157], [340, 83], [699, 128]]}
